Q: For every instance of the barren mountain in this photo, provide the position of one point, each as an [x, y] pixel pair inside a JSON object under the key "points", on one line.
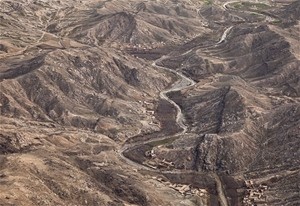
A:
{"points": [[149, 102]]}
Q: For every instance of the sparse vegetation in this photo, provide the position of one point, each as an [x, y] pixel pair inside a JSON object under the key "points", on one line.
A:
{"points": [[132, 102]]}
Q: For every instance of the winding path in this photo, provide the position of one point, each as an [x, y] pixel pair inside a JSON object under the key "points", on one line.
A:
{"points": [[183, 83], [224, 36], [269, 17]]}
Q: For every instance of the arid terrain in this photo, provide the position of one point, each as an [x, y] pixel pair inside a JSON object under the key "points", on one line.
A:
{"points": [[158, 102]]}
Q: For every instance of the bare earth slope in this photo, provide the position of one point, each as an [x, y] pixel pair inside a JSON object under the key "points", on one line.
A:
{"points": [[149, 102]]}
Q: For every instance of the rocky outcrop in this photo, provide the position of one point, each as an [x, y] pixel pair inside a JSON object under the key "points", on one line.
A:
{"points": [[87, 118]]}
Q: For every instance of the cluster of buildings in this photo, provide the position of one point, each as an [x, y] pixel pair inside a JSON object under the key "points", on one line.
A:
{"points": [[255, 194], [156, 163], [183, 189]]}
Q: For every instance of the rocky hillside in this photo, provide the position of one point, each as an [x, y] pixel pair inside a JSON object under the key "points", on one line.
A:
{"points": [[149, 102]]}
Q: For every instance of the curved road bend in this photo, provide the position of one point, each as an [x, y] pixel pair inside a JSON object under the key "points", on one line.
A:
{"points": [[183, 83], [224, 36], [268, 16]]}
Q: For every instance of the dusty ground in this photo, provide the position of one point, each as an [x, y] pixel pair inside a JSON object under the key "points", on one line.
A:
{"points": [[83, 121]]}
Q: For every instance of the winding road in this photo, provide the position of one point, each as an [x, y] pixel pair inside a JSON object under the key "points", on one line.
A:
{"points": [[269, 17], [225, 34], [183, 82]]}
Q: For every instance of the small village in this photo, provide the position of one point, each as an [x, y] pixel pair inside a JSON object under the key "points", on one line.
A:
{"points": [[156, 163], [182, 188], [255, 194]]}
